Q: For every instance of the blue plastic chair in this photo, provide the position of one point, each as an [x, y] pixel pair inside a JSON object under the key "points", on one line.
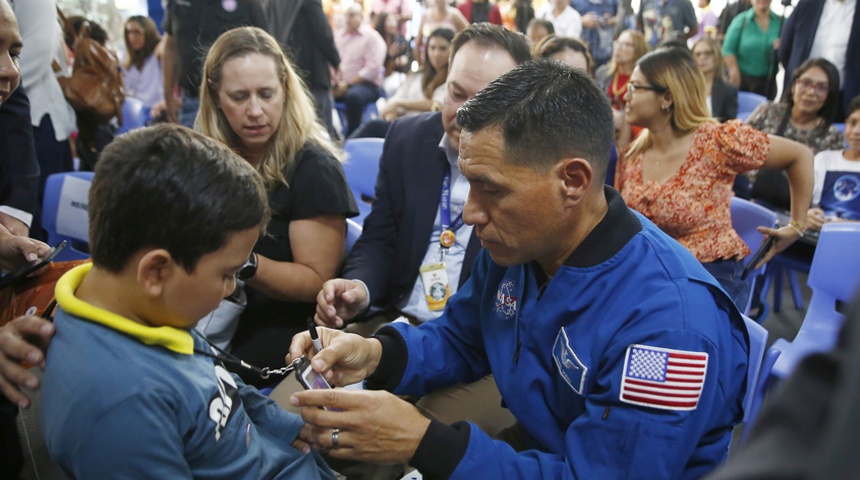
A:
{"points": [[747, 102], [66, 195], [746, 218], [758, 344], [840, 127], [833, 279], [134, 115], [361, 168], [353, 231]]}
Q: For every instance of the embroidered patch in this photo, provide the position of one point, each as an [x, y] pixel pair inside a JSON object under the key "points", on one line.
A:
{"points": [[506, 300], [663, 378], [572, 370]]}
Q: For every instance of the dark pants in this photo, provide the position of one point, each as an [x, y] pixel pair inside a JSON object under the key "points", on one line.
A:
{"points": [[54, 156], [323, 103], [761, 85], [356, 98], [728, 273]]}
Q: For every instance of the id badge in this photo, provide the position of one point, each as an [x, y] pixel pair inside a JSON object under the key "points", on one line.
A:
{"points": [[436, 289]]}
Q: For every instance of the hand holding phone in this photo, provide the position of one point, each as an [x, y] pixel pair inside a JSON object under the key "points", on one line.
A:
{"points": [[759, 254], [27, 268]]}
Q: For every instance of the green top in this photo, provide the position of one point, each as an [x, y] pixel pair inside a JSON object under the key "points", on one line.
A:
{"points": [[752, 47]]}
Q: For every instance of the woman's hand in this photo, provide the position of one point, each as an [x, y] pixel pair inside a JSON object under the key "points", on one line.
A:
{"points": [[785, 236]]}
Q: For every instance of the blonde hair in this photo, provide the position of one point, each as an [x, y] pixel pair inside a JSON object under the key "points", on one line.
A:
{"points": [[719, 68], [298, 125], [640, 48], [673, 70]]}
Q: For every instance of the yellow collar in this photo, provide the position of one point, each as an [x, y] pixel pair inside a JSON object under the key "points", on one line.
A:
{"points": [[174, 339]]}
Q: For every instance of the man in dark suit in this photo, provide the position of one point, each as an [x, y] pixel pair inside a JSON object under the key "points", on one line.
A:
{"points": [[310, 43], [803, 39], [19, 169], [401, 234]]}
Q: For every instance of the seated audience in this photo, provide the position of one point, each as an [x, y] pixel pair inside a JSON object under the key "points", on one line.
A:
{"points": [[804, 115], [478, 11], [580, 370], [566, 21], [423, 91], [128, 387], [537, 30], [141, 71], [398, 54], [837, 177], [437, 14], [423, 88], [722, 97], [612, 78], [252, 100], [599, 21], [569, 50], [362, 58], [679, 171]]}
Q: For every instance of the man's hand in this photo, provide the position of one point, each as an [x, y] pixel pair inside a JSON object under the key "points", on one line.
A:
{"points": [[15, 226], [590, 20], [373, 426], [16, 250], [346, 358], [16, 349], [815, 219], [340, 89], [338, 301]]}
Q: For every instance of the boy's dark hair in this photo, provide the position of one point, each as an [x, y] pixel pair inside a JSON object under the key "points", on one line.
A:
{"points": [[492, 36], [547, 111], [169, 187], [853, 106]]}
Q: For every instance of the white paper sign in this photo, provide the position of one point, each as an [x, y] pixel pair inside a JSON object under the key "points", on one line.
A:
{"points": [[72, 211]]}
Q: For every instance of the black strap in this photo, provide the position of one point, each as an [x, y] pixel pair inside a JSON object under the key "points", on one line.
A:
{"points": [[294, 14]]}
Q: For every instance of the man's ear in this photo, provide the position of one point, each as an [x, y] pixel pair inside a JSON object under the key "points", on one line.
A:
{"points": [[154, 270], [576, 175]]}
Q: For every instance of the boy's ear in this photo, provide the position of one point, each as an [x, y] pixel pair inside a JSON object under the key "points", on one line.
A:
{"points": [[154, 269]]}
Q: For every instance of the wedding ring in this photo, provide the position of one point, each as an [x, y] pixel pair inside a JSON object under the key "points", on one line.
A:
{"points": [[334, 434]]}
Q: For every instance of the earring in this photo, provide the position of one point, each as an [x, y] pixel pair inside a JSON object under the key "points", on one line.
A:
{"points": [[665, 108]]}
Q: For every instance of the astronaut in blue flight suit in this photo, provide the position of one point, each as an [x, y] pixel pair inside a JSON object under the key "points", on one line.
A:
{"points": [[619, 355]]}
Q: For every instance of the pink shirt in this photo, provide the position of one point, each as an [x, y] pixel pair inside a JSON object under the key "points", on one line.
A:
{"points": [[398, 7], [362, 54], [693, 206]]}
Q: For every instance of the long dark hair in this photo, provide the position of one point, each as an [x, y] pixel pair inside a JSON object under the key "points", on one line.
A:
{"points": [[432, 78], [151, 39], [379, 26], [831, 103]]}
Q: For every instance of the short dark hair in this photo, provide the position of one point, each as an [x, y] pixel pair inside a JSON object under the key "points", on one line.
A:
{"points": [[853, 106], [831, 103], [547, 111], [552, 44], [492, 36], [169, 187], [540, 22]]}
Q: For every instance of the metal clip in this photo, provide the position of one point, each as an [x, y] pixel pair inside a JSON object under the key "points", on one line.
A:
{"points": [[266, 372]]}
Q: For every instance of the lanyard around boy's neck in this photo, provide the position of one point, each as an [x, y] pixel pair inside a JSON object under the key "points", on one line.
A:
{"points": [[447, 237], [237, 363]]}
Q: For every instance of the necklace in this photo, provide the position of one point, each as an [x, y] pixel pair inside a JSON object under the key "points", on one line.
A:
{"points": [[616, 93]]}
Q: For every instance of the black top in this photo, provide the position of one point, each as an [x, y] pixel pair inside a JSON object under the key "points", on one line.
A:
{"points": [[317, 187], [196, 24]]}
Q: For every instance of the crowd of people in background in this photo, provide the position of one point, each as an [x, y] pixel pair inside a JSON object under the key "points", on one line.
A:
{"points": [[283, 87]]}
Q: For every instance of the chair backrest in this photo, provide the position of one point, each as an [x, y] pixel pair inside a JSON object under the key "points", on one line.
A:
{"points": [[362, 166], [64, 213], [748, 101], [134, 115], [746, 218], [353, 231], [833, 279], [840, 127], [758, 344]]}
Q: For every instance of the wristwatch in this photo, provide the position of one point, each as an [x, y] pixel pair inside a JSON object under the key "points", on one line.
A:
{"points": [[249, 269]]}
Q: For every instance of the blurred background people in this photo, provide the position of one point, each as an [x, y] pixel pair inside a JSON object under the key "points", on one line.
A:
{"points": [[477, 11], [537, 30], [141, 70], [805, 115], [566, 21], [569, 50], [661, 20], [437, 14], [707, 21], [612, 78], [252, 100], [749, 50], [721, 97], [599, 18], [398, 54]]}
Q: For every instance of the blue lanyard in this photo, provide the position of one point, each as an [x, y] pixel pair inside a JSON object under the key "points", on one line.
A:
{"points": [[445, 206]]}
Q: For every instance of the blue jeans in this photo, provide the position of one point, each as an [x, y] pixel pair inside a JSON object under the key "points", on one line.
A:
{"points": [[356, 98], [728, 273], [188, 110]]}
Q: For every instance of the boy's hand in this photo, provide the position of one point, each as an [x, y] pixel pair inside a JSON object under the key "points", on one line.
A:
{"points": [[22, 341]]}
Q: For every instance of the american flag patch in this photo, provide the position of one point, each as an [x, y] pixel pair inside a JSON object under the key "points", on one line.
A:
{"points": [[663, 378]]}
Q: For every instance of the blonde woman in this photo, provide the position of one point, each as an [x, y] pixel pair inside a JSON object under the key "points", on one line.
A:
{"points": [[252, 100], [722, 97], [612, 78], [679, 171]]}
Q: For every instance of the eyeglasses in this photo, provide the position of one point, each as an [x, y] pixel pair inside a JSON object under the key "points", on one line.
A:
{"points": [[134, 32], [704, 53], [632, 88], [618, 44], [818, 88]]}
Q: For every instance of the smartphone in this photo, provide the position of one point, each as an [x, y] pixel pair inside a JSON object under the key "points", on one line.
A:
{"points": [[759, 254], [27, 268]]}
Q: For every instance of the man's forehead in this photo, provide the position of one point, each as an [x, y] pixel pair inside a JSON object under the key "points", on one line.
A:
{"points": [[477, 65]]}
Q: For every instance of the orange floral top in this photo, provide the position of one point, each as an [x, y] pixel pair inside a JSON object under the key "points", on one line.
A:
{"points": [[693, 206]]}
